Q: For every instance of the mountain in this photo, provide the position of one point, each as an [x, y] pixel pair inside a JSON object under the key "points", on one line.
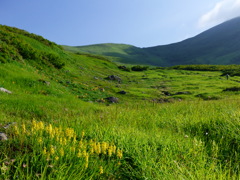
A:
{"points": [[121, 53], [218, 45]]}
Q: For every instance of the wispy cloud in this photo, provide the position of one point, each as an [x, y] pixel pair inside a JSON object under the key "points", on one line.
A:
{"points": [[222, 11]]}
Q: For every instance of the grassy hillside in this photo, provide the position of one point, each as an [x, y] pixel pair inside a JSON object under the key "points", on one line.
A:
{"points": [[171, 123], [218, 45], [120, 53]]}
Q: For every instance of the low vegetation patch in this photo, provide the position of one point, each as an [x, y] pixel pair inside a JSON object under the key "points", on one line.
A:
{"points": [[232, 89], [41, 150]]}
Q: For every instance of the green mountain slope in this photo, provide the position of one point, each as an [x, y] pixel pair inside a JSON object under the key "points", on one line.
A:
{"points": [[218, 45], [121, 53]]}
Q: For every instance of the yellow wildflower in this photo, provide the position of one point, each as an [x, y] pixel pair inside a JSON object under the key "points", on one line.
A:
{"points": [[98, 148], [44, 150], [69, 132], [119, 153], [34, 124], [41, 125], [114, 149], [73, 149], [80, 144], [64, 141], [40, 140], [92, 151], [104, 147], [101, 170], [110, 151], [86, 158], [61, 152], [83, 133], [84, 153], [61, 141], [79, 154], [50, 130], [74, 139], [24, 128], [16, 130], [52, 150]]}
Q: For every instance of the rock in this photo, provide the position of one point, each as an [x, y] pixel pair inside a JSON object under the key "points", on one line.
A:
{"points": [[8, 125], [101, 89], [44, 82], [184, 92], [166, 93], [122, 92], [163, 100], [5, 90], [114, 78], [47, 82], [3, 136], [112, 99]]}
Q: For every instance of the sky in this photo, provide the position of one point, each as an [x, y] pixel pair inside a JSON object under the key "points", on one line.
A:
{"points": [[142, 23]]}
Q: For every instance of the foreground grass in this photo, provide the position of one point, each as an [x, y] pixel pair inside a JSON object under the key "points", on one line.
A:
{"points": [[184, 140]]}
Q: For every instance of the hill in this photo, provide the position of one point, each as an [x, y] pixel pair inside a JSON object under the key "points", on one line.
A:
{"points": [[218, 45], [121, 53], [60, 121]]}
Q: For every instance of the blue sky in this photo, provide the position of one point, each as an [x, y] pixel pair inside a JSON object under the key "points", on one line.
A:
{"points": [[142, 23]]}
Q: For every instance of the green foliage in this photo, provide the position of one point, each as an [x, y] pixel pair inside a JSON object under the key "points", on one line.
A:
{"points": [[231, 72], [124, 68], [30, 35], [8, 53], [205, 67], [232, 89], [139, 68], [207, 96], [14, 47]]}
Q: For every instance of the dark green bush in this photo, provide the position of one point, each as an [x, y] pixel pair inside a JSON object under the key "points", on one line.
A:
{"points": [[206, 96], [231, 73], [139, 68], [232, 89], [124, 68], [205, 67]]}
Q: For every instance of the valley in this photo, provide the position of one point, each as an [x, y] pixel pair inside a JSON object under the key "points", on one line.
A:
{"points": [[178, 122]]}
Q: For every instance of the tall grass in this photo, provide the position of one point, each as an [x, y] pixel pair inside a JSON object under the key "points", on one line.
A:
{"points": [[184, 140]]}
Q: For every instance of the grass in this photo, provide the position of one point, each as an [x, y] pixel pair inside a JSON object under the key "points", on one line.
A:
{"points": [[170, 124], [190, 139], [193, 140]]}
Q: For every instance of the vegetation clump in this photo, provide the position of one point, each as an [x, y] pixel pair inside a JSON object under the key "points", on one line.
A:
{"points": [[124, 68], [139, 68], [15, 48], [232, 89], [39, 149]]}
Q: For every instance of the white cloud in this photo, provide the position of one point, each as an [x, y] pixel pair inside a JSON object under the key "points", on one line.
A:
{"points": [[222, 11]]}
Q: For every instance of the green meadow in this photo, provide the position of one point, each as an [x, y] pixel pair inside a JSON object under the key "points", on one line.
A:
{"points": [[171, 123]]}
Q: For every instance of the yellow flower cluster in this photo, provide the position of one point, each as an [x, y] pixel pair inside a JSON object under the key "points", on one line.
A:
{"points": [[57, 143]]}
